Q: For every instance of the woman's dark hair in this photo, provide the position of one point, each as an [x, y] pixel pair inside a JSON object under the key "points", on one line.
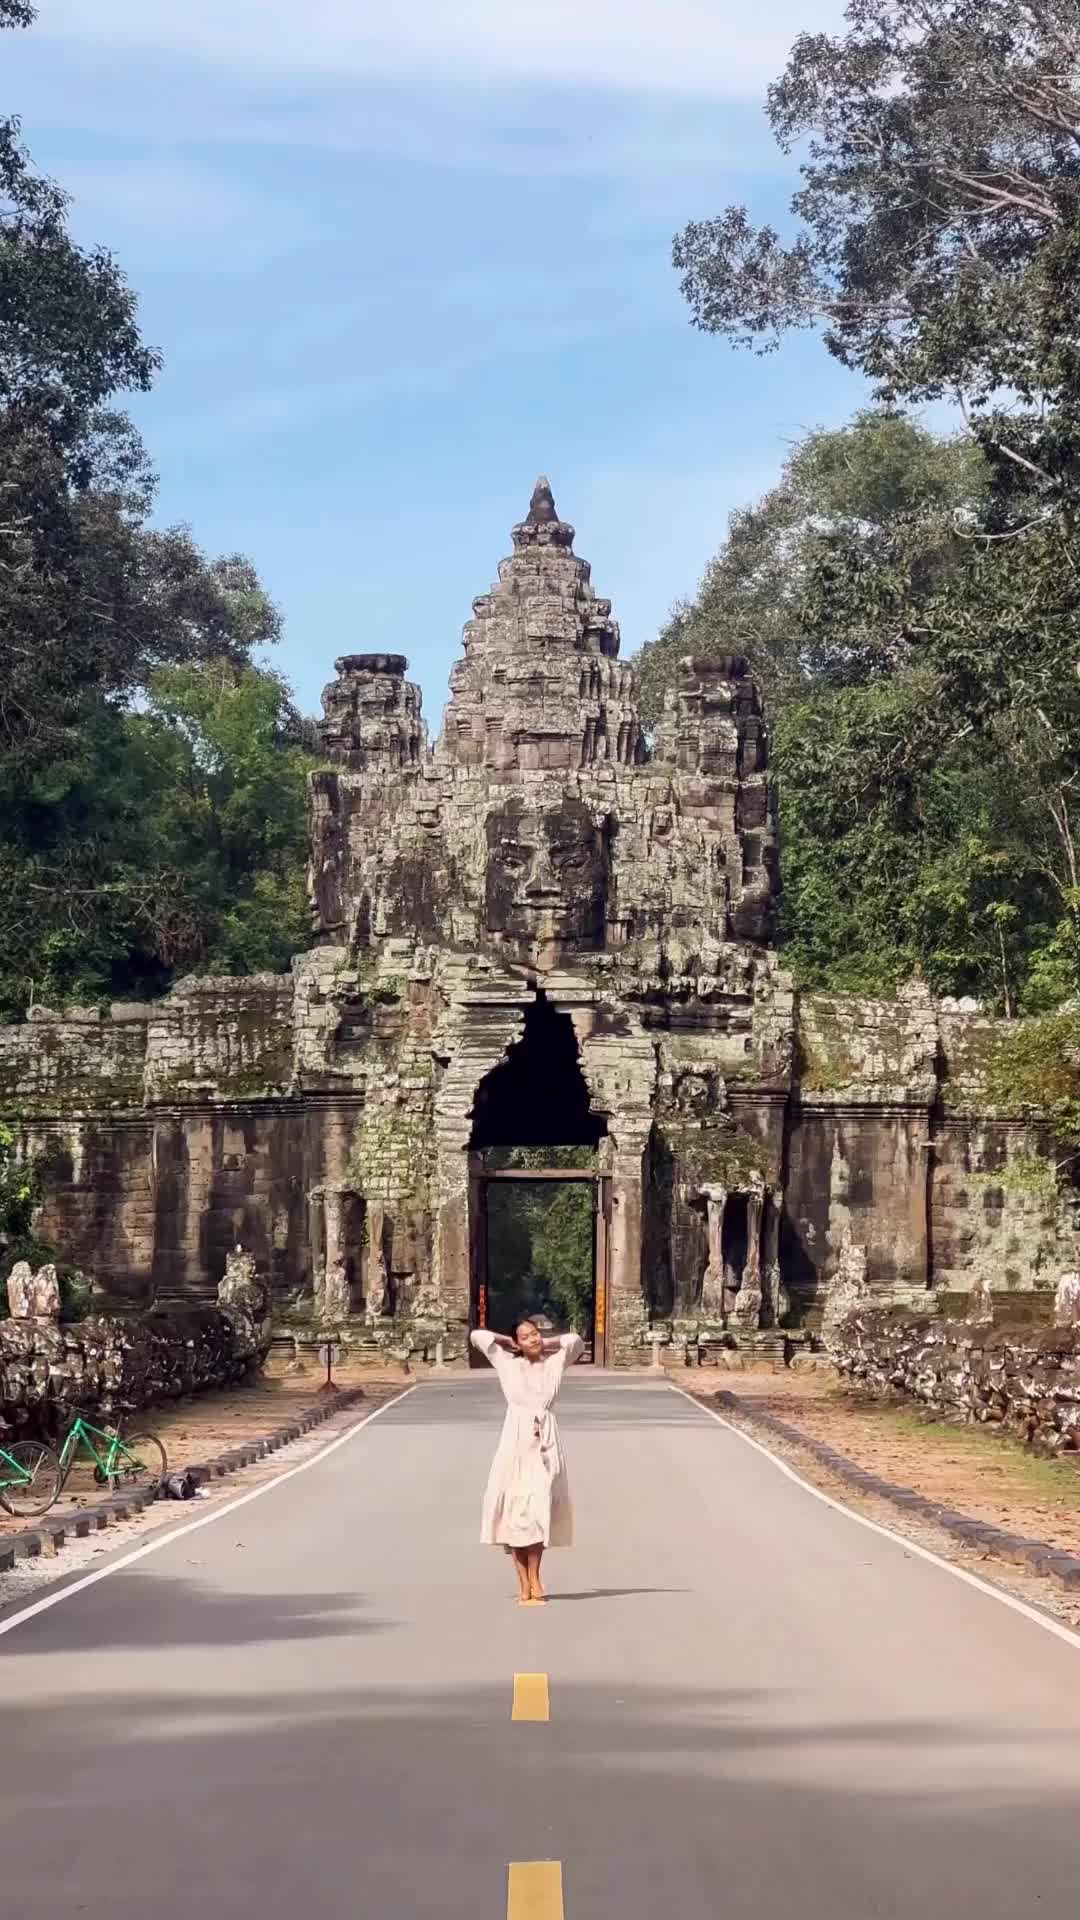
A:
{"points": [[525, 1321]]}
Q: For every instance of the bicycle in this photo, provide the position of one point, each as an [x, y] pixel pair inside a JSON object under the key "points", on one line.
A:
{"points": [[135, 1459], [30, 1478]]}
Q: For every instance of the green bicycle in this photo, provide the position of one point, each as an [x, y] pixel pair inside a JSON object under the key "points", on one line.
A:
{"points": [[133, 1459], [30, 1478], [33, 1475]]}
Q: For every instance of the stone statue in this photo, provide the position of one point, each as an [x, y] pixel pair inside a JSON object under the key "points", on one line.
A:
{"points": [[333, 1295], [980, 1306], [244, 1299], [712, 1286], [847, 1290], [746, 1307], [1067, 1300], [376, 1275], [33, 1296]]}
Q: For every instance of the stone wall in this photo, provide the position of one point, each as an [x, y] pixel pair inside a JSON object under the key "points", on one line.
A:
{"points": [[893, 1136], [113, 1365], [117, 1364], [216, 1039], [151, 1204], [1024, 1378]]}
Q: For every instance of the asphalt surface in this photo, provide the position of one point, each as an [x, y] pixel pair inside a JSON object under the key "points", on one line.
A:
{"points": [[758, 1708]]}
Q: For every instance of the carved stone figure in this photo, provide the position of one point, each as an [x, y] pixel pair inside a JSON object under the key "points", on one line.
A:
{"points": [[546, 880], [712, 1287], [33, 1296], [245, 1301], [376, 1276], [847, 1290], [1067, 1300], [980, 1306]]}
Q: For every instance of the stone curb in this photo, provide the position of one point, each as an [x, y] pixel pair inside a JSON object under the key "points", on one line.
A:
{"points": [[1064, 1568], [47, 1536]]}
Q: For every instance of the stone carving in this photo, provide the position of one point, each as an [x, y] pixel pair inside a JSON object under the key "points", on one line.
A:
{"points": [[117, 1365], [1017, 1378], [244, 1300], [333, 1293], [376, 1276], [33, 1296], [747, 1301], [540, 828], [848, 1289], [546, 880], [980, 1306], [1067, 1300], [712, 1286]]}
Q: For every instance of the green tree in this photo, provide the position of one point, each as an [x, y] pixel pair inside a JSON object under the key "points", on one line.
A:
{"points": [[908, 854], [913, 691], [20, 1191], [937, 223], [881, 486], [174, 838], [152, 798], [937, 242]]}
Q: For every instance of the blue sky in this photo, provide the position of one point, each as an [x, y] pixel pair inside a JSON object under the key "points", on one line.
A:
{"points": [[402, 256]]}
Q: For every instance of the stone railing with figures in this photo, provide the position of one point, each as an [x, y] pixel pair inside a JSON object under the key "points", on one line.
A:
{"points": [[114, 1364], [1023, 1378]]}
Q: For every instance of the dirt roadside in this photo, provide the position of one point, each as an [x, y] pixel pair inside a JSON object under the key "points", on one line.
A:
{"points": [[981, 1472]]}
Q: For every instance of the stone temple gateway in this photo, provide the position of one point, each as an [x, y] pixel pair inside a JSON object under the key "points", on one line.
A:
{"points": [[544, 929]]}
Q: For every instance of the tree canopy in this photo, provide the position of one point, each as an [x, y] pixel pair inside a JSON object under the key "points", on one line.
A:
{"points": [[917, 638], [884, 487], [937, 225], [920, 828], [151, 773]]}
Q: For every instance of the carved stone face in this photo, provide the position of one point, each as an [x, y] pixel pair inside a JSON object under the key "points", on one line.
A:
{"points": [[546, 880]]}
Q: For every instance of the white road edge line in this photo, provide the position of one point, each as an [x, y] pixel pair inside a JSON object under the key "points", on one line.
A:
{"points": [[1038, 1619], [194, 1526]]}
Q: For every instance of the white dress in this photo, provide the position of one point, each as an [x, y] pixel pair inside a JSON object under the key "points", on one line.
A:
{"points": [[527, 1499]]}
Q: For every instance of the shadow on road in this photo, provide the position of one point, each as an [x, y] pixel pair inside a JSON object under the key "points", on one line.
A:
{"points": [[191, 1613], [409, 1802], [614, 1593]]}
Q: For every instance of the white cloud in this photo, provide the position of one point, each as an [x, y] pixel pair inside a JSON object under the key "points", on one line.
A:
{"points": [[172, 210], [717, 48]]}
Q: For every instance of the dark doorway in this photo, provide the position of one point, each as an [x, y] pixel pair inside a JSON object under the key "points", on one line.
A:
{"points": [[735, 1239], [538, 1203], [538, 1096]]}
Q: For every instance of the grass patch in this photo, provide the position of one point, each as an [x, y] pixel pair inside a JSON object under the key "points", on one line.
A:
{"points": [[992, 1450]]}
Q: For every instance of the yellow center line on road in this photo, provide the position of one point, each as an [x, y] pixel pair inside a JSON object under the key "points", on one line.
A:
{"points": [[531, 1697], [534, 1890]]}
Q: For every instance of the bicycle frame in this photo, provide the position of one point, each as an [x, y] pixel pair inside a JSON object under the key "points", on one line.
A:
{"points": [[81, 1433]]}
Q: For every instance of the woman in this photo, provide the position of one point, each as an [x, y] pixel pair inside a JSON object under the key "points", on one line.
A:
{"points": [[527, 1502]]}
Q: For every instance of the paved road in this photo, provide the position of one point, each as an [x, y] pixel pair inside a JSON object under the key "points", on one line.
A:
{"points": [[759, 1709]]}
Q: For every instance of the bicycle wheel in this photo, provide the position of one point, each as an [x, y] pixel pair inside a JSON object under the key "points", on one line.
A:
{"points": [[29, 1478], [142, 1462]]}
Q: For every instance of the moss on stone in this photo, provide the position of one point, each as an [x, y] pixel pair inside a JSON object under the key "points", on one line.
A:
{"points": [[727, 1157], [392, 1153], [1030, 1175], [1034, 1067], [823, 1069]]}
